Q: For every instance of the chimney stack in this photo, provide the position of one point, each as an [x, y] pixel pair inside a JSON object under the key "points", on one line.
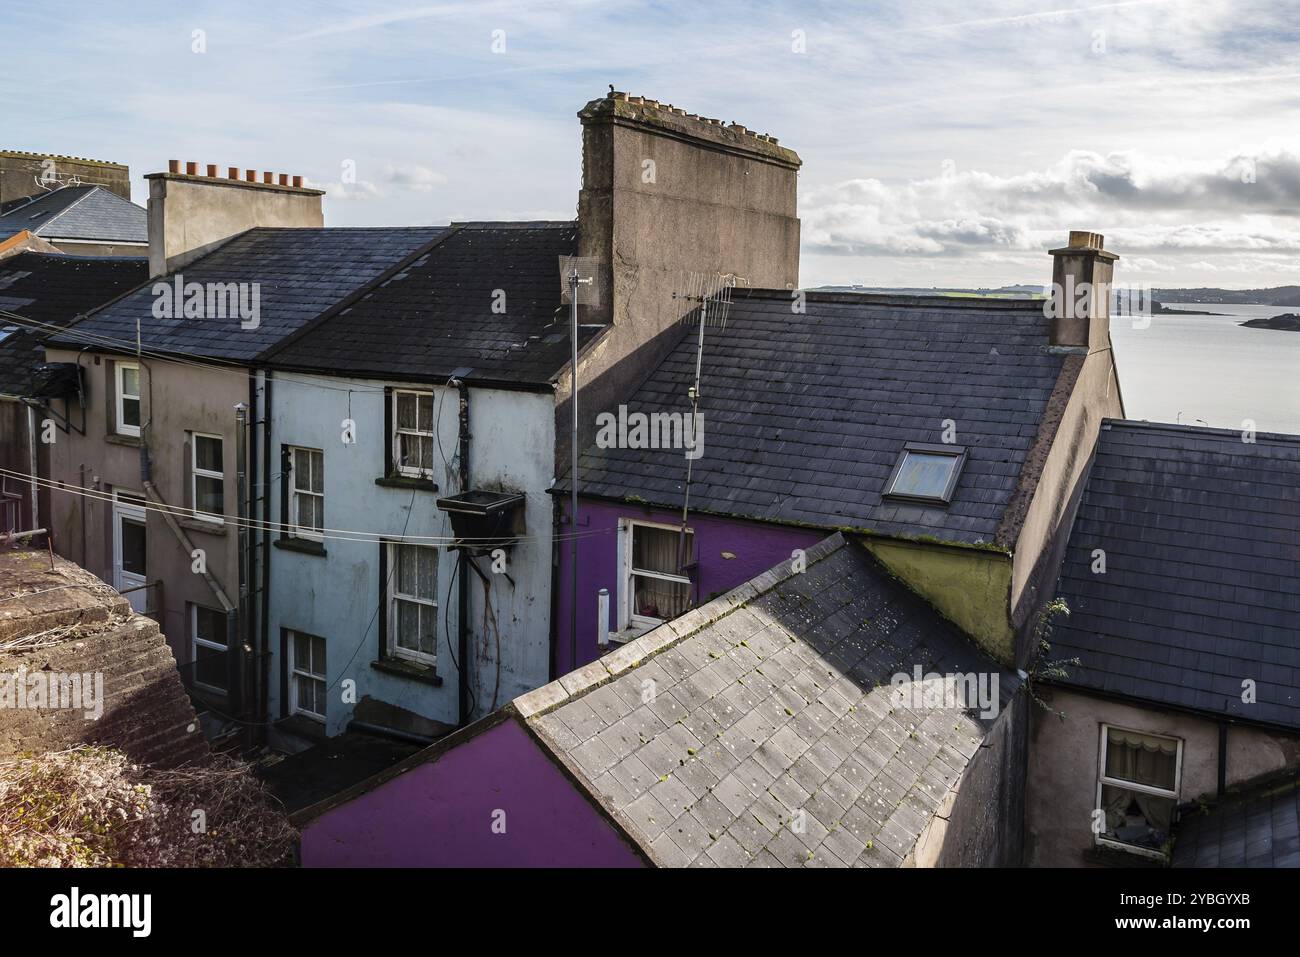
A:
{"points": [[666, 194], [189, 214], [1080, 299]]}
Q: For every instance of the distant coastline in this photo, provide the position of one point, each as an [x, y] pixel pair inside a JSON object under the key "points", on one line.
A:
{"points": [[1288, 321]]}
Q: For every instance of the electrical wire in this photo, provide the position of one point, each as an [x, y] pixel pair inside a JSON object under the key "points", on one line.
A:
{"points": [[341, 535]]}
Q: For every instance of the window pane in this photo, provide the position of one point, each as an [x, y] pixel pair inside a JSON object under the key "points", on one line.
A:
{"points": [[207, 453], [131, 412], [405, 410], [924, 474], [208, 495], [210, 667], [130, 381], [318, 656], [428, 629], [210, 625], [406, 569], [301, 653], [310, 510], [424, 447], [656, 598], [133, 546], [1141, 758], [428, 570], [408, 625], [655, 549], [424, 422], [301, 470], [1136, 818], [317, 460]]}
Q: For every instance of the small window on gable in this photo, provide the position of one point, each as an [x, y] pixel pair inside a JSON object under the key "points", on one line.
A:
{"points": [[926, 473]]}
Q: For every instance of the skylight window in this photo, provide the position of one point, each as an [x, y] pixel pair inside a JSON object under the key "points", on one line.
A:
{"points": [[6, 332], [926, 473]]}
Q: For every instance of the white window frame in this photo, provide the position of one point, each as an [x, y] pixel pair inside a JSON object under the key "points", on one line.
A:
{"points": [[130, 507], [626, 617], [395, 439], [196, 473], [296, 530], [295, 672], [196, 642], [394, 596], [1103, 780], [120, 395]]}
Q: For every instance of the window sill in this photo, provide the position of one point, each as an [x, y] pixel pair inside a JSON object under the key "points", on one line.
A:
{"points": [[632, 633], [304, 545], [428, 674], [116, 438], [198, 525], [405, 481]]}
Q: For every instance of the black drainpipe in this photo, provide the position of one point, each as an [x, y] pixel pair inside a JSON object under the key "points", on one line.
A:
{"points": [[462, 625], [264, 513]]}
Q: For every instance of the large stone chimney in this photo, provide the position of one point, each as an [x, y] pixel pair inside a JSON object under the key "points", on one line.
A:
{"points": [[666, 193], [191, 214], [24, 175], [1081, 283]]}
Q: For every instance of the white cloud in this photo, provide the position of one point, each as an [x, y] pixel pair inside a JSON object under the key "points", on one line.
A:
{"points": [[413, 176]]}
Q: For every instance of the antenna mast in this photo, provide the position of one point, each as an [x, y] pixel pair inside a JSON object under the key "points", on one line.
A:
{"points": [[712, 292], [579, 283]]}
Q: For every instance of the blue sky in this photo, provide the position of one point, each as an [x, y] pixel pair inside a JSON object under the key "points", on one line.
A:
{"points": [[944, 143]]}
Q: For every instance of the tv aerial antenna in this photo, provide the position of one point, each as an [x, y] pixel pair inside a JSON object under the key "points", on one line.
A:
{"points": [[580, 285], [710, 294]]}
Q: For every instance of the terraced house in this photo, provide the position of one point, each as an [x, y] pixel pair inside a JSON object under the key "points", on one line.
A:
{"points": [[288, 435], [949, 435]]}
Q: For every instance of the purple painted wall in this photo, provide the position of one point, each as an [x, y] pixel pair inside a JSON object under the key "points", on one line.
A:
{"points": [[440, 814], [756, 546]]}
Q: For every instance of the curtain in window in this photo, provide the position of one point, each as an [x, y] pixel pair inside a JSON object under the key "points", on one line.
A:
{"points": [[1141, 758], [655, 549]]}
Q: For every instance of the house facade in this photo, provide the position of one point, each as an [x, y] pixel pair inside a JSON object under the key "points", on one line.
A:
{"points": [[182, 496], [1182, 636], [39, 294], [949, 434]]}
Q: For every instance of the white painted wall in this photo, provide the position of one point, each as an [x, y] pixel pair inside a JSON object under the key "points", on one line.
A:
{"points": [[337, 596]]}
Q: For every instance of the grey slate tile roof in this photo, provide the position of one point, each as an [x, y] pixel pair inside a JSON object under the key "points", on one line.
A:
{"points": [[772, 704], [437, 315], [88, 213], [300, 272], [51, 290], [805, 415], [1258, 829], [1201, 534]]}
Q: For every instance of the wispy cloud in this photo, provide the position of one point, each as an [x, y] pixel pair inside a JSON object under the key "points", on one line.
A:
{"points": [[945, 142]]}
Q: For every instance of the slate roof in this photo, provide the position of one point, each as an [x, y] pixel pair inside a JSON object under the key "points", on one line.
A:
{"points": [[87, 213], [437, 315], [772, 699], [52, 289], [1201, 534], [805, 415], [1257, 829], [300, 273]]}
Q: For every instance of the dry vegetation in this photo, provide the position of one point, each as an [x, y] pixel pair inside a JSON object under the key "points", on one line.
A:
{"points": [[91, 807]]}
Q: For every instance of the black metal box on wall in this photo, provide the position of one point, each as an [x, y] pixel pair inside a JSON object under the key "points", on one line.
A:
{"points": [[483, 520]]}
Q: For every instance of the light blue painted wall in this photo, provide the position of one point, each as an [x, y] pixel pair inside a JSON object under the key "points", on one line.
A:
{"points": [[337, 596]]}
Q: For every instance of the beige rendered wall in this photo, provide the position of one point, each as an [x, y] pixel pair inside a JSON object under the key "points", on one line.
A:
{"points": [[192, 215], [189, 398], [721, 199], [1064, 758]]}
